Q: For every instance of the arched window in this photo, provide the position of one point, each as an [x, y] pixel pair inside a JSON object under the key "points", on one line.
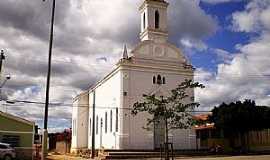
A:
{"points": [[111, 121], [143, 20], [159, 81], [106, 122], [154, 80], [101, 125], [97, 125], [164, 80], [156, 19], [116, 120], [90, 126]]}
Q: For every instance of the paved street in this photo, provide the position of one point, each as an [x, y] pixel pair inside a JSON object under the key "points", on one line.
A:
{"points": [[232, 158], [263, 157], [63, 157]]}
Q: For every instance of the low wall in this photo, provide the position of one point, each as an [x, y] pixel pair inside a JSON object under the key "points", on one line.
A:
{"points": [[24, 153], [62, 147]]}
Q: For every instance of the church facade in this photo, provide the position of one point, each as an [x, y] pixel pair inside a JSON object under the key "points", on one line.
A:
{"points": [[154, 66]]}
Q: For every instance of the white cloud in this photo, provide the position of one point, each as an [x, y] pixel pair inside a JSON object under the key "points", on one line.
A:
{"points": [[201, 75], [254, 18], [223, 55], [193, 44], [197, 26], [265, 18], [246, 75]]}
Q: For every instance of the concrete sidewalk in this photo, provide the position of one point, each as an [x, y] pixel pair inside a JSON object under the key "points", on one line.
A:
{"points": [[259, 157], [55, 156]]}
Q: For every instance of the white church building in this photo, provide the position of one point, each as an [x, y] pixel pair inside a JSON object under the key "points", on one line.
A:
{"points": [[154, 66]]}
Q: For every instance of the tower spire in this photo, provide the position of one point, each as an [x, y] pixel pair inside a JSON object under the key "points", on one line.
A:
{"points": [[125, 54]]}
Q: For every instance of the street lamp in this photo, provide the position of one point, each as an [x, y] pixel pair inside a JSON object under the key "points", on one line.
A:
{"points": [[1, 86], [45, 131], [8, 77]]}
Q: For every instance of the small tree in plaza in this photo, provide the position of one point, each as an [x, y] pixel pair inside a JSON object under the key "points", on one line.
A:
{"points": [[174, 110]]}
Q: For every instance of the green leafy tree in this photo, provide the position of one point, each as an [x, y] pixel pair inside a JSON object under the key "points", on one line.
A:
{"points": [[174, 110], [239, 118]]}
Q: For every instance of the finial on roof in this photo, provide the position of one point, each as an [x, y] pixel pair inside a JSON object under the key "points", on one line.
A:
{"points": [[125, 54]]}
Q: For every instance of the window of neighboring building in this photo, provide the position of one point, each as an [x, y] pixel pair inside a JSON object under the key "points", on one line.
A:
{"points": [[159, 81], [3, 146], [116, 120], [97, 125], [156, 19], [154, 80], [106, 122], [111, 117], [13, 140]]}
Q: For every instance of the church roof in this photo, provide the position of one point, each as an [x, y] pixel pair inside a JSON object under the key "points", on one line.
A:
{"points": [[162, 1], [156, 0]]}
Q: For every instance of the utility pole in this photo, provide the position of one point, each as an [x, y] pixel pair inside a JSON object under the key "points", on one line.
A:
{"points": [[1, 63], [45, 131], [93, 152]]}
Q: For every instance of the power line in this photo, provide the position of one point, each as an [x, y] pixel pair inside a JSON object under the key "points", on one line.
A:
{"points": [[77, 106]]}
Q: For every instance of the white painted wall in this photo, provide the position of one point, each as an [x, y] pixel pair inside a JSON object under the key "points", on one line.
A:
{"points": [[135, 79], [80, 122], [107, 99], [140, 82], [74, 141], [151, 57]]}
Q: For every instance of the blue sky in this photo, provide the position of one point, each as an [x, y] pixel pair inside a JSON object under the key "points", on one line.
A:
{"points": [[242, 35], [224, 38]]}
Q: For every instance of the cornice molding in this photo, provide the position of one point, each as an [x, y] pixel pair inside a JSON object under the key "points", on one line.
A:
{"points": [[156, 3]]}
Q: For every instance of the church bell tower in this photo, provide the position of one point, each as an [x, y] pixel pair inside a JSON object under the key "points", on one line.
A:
{"points": [[154, 21]]}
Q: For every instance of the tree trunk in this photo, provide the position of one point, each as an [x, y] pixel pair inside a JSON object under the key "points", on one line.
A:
{"points": [[166, 140]]}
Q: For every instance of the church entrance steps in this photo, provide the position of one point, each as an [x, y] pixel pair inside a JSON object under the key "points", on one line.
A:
{"points": [[130, 155], [144, 154]]}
